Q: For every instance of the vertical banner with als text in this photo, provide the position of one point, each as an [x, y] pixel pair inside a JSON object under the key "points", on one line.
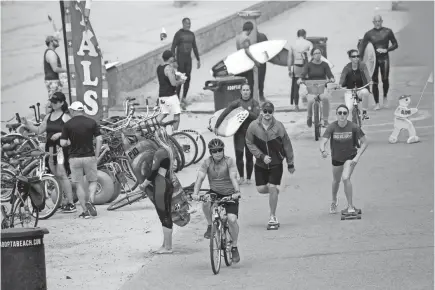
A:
{"points": [[86, 72]]}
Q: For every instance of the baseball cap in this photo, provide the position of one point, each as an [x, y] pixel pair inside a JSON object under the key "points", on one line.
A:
{"points": [[167, 54], [404, 97], [76, 106], [268, 105]]}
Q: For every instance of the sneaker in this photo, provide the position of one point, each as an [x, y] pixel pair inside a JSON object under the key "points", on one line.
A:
{"points": [[241, 180], [235, 254], [377, 107], [69, 208], [85, 215], [351, 209], [296, 108], [385, 103], [309, 122], [248, 181], [365, 116], [91, 209], [333, 208], [207, 233], [273, 220]]}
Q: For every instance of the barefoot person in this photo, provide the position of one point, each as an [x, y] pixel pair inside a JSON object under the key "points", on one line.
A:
{"points": [[345, 137]]}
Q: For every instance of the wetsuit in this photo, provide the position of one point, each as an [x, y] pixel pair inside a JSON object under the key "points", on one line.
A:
{"points": [[253, 108], [54, 127], [261, 69], [184, 41], [380, 38], [162, 187]]}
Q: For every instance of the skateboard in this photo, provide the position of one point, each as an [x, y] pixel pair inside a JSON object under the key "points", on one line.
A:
{"points": [[273, 226], [351, 216]]}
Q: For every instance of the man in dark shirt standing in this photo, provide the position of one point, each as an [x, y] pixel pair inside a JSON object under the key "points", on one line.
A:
{"points": [[79, 132], [380, 37], [184, 41]]}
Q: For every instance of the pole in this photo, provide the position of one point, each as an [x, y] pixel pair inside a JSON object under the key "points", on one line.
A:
{"points": [[252, 16], [65, 44]]}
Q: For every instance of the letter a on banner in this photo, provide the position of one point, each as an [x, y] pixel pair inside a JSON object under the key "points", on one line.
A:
{"points": [[86, 72]]}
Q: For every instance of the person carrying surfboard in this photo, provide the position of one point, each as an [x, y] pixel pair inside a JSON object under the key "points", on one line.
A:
{"points": [[52, 68], [243, 42], [168, 82], [355, 73], [182, 45], [247, 102], [380, 37], [269, 142], [297, 63]]}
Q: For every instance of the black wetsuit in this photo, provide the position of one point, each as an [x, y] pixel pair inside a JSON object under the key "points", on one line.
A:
{"points": [[380, 38], [262, 69], [184, 41], [253, 108]]}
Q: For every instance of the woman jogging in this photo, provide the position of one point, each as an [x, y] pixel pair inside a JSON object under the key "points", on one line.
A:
{"points": [[248, 103], [345, 137]]}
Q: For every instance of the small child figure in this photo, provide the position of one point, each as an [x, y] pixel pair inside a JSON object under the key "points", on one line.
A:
{"points": [[401, 121]]}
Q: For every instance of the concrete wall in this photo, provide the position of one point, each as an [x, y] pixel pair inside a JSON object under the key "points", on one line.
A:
{"points": [[137, 72]]}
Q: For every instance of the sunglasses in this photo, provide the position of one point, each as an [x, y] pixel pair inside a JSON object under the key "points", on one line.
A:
{"points": [[216, 150], [354, 56], [266, 111], [344, 113]]}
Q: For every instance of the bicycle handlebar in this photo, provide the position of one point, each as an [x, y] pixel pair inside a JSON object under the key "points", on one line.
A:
{"points": [[354, 89]]}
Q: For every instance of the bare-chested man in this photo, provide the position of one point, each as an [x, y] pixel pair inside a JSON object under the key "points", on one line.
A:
{"points": [[243, 42]]}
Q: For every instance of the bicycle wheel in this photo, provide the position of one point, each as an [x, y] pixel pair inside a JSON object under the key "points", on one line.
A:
{"points": [[316, 120], [356, 118], [128, 199], [188, 145], [53, 197], [23, 214], [227, 244], [179, 155], [215, 247], [8, 181], [200, 142]]}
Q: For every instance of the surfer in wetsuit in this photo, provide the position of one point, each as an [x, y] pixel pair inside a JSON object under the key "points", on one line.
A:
{"points": [[243, 42], [261, 69], [380, 37], [248, 103], [184, 41]]}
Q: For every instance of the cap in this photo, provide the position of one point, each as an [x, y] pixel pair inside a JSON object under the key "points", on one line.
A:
{"points": [[404, 97], [76, 106], [167, 54], [58, 96], [268, 105]]}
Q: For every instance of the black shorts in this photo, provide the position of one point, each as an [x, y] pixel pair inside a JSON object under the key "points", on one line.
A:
{"points": [[232, 207], [341, 163], [264, 176]]}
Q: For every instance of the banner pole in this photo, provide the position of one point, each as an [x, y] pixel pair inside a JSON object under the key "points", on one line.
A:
{"points": [[65, 44]]}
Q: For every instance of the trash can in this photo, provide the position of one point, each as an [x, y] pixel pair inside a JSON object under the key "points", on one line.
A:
{"points": [[23, 259], [225, 89], [319, 42]]}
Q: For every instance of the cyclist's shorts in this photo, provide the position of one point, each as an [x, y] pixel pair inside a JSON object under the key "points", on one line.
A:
{"points": [[232, 207], [341, 163], [264, 176]]}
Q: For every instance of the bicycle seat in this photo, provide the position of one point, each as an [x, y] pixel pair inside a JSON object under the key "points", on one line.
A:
{"points": [[8, 139], [168, 123], [13, 126], [130, 99]]}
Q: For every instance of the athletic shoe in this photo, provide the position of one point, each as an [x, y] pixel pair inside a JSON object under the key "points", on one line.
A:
{"points": [[309, 122], [69, 208], [91, 208], [85, 215], [351, 209], [235, 254], [333, 208], [377, 107], [386, 103], [365, 116], [248, 181], [207, 233], [241, 180], [273, 220]]}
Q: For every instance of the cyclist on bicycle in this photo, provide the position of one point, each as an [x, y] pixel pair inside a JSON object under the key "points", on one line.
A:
{"points": [[164, 185], [317, 70], [222, 176], [356, 74], [247, 102], [344, 136]]}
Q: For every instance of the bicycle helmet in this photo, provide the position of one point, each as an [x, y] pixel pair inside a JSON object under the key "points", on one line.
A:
{"points": [[216, 143]]}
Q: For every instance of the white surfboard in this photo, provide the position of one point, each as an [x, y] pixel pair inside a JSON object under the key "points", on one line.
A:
{"points": [[231, 123], [370, 58], [238, 62]]}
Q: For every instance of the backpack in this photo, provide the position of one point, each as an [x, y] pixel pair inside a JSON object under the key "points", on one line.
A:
{"points": [[34, 188]]}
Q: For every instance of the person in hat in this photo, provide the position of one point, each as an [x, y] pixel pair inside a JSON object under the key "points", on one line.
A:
{"points": [[168, 82], [53, 124], [79, 133], [52, 67], [345, 137], [268, 141]]}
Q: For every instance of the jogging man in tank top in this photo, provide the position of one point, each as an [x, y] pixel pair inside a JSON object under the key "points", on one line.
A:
{"points": [[269, 142], [182, 45], [380, 37], [52, 67], [345, 136], [79, 133], [222, 176], [168, 82]]}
